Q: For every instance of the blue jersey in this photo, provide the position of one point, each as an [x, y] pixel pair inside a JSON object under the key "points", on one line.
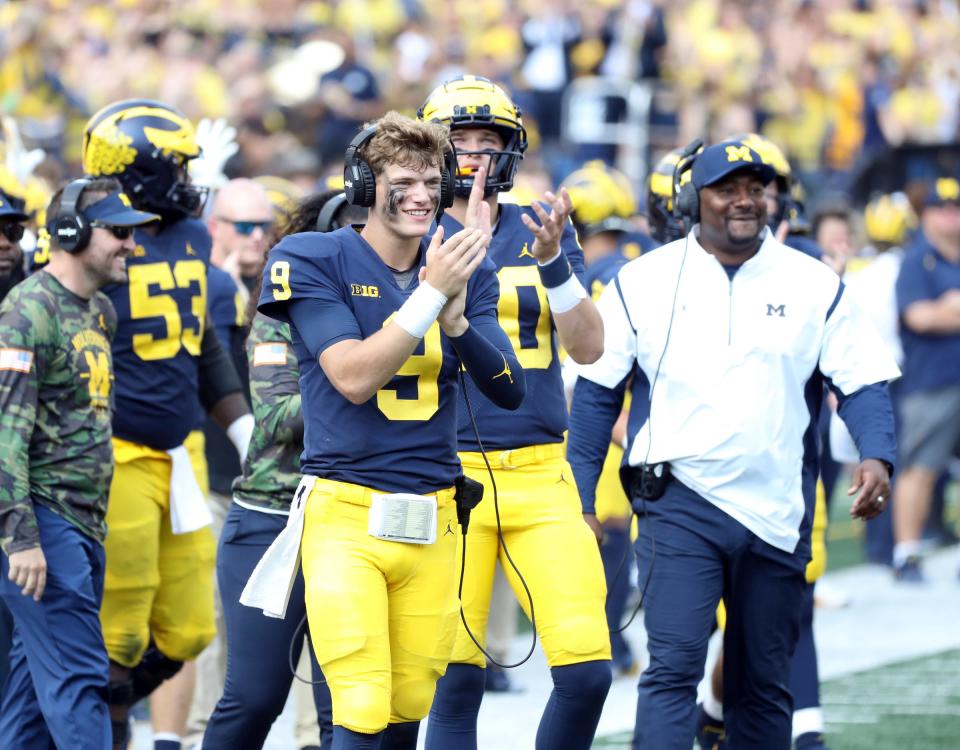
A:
{"points": [[226, 306], [156, 351], [404, 438], [525, 316], [601, 272], [634, 244]]}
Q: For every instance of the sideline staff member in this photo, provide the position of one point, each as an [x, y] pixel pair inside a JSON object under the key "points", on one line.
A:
{"points": [[56, 460], [733, 336]]}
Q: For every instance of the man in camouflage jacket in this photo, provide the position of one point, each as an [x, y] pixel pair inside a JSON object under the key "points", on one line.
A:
{"points": [[56, 461]]}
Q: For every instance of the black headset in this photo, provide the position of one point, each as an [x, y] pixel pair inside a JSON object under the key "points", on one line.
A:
{"points": [[71, 228], [327, 218], [360, 185], [686, 201]]}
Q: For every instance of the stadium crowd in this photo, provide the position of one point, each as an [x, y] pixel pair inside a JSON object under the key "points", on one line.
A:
{"points": [[240, 265]]}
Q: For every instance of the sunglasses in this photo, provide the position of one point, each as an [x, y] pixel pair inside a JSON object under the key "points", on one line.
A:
{"points": [[246, 228], [11, 230], [121, 233]]}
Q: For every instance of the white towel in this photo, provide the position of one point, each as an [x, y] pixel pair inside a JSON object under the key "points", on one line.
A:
{"points": [[188, 504], [269, 586]]}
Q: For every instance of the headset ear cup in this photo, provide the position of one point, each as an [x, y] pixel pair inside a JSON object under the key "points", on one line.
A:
{"points": [[448, 180], [72, 233], [368, 185], [688, 203]]}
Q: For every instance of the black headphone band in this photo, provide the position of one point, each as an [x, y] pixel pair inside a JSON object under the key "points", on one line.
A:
{"points": [[71, 197], [359, 141], [327, 216]]}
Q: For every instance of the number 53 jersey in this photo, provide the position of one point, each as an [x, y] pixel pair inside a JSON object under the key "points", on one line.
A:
{"points": [[156, 350], [404, 438], [524, 314]]}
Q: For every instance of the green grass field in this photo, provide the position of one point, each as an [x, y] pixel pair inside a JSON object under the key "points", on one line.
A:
{"points": [[911, 705]]}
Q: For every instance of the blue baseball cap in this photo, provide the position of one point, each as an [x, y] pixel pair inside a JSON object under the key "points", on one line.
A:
{"points": [[115, 210], [12, 208], [942, 191], [722, 159]]}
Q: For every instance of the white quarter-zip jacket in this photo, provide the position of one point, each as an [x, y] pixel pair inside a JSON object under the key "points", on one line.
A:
{"points": [[728, 361]]}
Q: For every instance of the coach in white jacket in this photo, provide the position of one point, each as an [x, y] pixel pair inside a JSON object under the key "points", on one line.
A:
{"points": [[727, 339]]}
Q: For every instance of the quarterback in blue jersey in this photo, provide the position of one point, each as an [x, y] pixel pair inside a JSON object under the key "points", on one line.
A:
{"points": [[542, 299], [158, 598], [381, 323]]}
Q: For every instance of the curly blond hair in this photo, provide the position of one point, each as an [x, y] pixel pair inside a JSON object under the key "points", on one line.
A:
{"points": [[410, 143]]}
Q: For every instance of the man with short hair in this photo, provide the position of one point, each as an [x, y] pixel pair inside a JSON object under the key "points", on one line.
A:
{"points": [[56, 462], [12, 218], [382, 323], [928, 302], [239, 225], [729, 337]]}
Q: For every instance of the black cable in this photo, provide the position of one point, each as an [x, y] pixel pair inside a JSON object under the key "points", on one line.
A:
{"points": [[503, 544], [293, 667], [646, 458]]}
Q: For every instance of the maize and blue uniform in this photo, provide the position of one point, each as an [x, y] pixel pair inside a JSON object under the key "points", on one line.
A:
{"points": [[159, 584], [612, 506], [382, 613], [227, 312], [539, 510], [258, 648]]}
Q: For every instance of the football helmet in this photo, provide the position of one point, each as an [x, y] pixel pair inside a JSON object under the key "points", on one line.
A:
{"points": [[477, 102], [665, 225], [146, 145], [888, 219], [789, 207], [602, 199]]}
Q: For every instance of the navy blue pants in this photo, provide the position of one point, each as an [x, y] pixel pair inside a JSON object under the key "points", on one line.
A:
{"points": [[258, 647], [6, 641], [702, 554], [804, 670], [55, 694], [617, 563]]}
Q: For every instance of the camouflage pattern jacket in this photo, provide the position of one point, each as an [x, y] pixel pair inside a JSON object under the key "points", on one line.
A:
{"points": [[56, 403], [272, 470]]}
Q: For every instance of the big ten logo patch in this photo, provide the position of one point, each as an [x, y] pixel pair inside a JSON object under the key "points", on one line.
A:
{"points": [[364, 290]]}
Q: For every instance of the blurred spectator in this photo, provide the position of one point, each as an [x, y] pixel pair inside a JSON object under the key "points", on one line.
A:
{"points": [[12, 218], [928, 299], [349, 96], [832, 231]]}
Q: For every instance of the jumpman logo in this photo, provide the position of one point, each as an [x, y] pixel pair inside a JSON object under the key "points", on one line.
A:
{"points": [[525, 252], [506, 371], [449, 529], [562, 479]]}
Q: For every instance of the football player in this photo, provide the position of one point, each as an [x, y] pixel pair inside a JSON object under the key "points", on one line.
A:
{"points": [[550, 538], [55, 402], [381, 323], [258, 672], [158, 599], [603, 206]]}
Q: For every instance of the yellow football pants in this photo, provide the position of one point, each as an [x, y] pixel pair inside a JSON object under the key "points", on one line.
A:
{"points": [[382, 614], [550, 543], [158, 584]]}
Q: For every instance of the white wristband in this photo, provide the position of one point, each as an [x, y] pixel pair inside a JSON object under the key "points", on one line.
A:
{"points": [[419, 312], [239, 432], [566, 296]]}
